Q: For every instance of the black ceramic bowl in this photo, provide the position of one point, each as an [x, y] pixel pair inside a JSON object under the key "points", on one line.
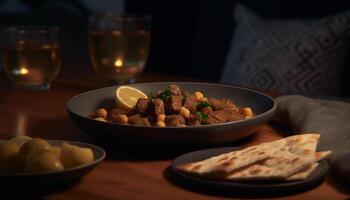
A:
{"points": [[65, 176], [130, 136]]}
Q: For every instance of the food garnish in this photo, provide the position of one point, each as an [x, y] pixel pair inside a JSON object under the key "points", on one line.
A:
{"points": [[165, 94], [203, 104], [126, 97], [201, 115]]}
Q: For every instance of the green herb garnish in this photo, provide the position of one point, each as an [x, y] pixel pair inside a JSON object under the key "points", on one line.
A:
{"points": [[203, 104], [165, 94], [201, 115]]}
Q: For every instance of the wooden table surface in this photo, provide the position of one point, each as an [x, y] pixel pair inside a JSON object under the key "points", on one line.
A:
{"points": [[43, 114]]}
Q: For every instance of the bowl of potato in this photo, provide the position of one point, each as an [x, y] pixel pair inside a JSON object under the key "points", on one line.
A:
{"points": [[32, 159]]}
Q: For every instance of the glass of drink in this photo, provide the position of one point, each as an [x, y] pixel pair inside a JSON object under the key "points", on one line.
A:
{"points": [[31, 56], [119, 45]]}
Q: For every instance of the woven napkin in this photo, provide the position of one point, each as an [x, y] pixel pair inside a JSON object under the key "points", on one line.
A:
{"points": [[328, 117]]}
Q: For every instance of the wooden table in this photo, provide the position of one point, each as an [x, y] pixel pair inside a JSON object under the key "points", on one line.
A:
{"points": [[43, 114]]}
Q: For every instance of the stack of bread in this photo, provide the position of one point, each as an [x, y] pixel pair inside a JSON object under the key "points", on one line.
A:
{"points": [[291, 158]]}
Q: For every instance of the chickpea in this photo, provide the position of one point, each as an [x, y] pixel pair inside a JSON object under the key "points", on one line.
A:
{"points": [[101, 113], [161, 117], [185, 112], [101, 119], [198, 95], [121, 119], [160, 124], [247, 112]]}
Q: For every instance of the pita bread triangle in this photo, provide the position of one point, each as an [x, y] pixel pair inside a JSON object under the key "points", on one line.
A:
{"points": [[279, 159]]}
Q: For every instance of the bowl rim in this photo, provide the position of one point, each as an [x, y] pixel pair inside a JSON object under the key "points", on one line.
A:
{"points": [[254, 118]]}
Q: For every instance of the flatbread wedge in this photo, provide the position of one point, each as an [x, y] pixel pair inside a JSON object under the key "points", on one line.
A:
{"points": [[280, 166], [298, 144], [228, 161], [303, 174], [283, 165], [224, 164], [322, 155], [280, 159]]}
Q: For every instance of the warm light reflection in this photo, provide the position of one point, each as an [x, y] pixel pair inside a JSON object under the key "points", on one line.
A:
{"points": [[21, 71], [21, 124], [118, 63]]}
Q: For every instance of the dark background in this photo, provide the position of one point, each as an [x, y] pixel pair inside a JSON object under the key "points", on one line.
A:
{"points": [[188, 37]]}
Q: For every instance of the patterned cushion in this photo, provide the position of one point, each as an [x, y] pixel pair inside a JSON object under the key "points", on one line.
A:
{"points": [[289, 56]]}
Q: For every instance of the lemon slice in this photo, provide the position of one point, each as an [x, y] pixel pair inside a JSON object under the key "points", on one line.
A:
{"points": [[126, 97]]}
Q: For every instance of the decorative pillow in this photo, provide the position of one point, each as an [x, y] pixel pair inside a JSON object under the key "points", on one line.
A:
{"points": [[289, 56]]}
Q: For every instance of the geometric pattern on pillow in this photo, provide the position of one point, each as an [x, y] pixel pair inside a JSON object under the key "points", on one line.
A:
{"points": [[289, 56]]}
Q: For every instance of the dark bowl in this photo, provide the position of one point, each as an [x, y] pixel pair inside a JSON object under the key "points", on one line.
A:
{"points": [[65, 176], [133, 137]]}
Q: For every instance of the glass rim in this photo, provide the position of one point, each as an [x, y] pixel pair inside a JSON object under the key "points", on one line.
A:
{"points": [[121, 17], [30, 29]]}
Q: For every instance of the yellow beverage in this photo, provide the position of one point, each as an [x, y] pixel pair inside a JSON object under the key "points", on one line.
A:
{"points": [[119, 55], [32, 64]]}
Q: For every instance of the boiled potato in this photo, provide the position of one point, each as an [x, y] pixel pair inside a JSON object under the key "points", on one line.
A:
{"points": [[8, 153], [33, 147], [56, 151], [72, 155], [24, 154], [20, 140], [44, 161]]}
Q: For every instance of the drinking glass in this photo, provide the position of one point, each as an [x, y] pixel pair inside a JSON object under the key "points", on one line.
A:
{"points": [[119, 45], [31, 56]]}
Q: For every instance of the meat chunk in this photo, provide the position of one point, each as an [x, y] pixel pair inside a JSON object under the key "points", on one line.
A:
{"points": [[227, 104], [224, 104], [142, 105], [174, 89], [193, 120], [174, 120], [233, 115], [190, 103], [159, 93], [206, 110], [173, 104], [216, 104], [152, 119], [216, 117], [156, 107], [114, 113], [120, 119], [138, 120], [185, 93]]}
